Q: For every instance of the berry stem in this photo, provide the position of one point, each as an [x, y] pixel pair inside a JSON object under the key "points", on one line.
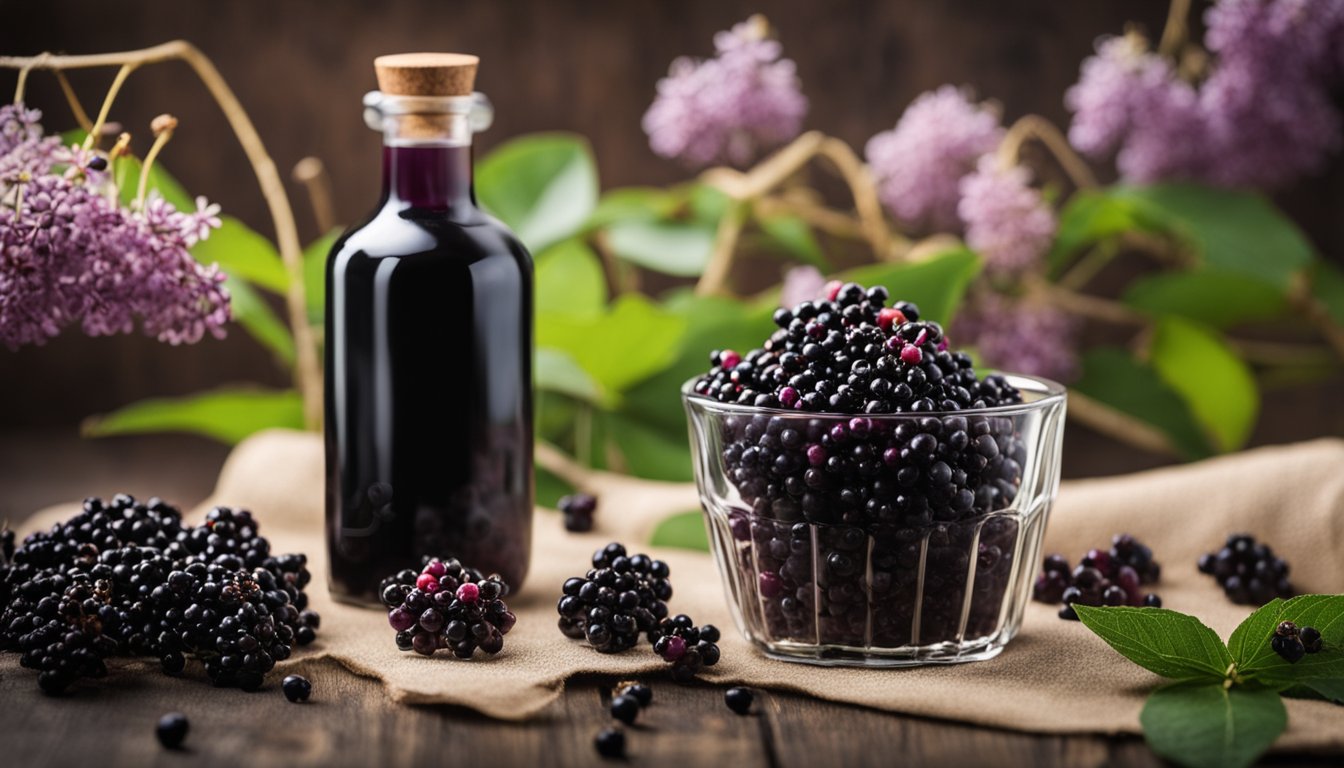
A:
{"points": [[1036, 127], [886, 246], [76, 108], [307, 371], [126, 69], [725, 247], [1177, 29], [160, 139], [312, 174], [1119, 425]]}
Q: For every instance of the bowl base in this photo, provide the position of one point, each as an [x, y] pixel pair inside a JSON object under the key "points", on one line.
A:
{"points": [[885, 658]]}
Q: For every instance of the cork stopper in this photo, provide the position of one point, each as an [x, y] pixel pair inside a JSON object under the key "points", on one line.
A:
{"points": [[426, 74]]}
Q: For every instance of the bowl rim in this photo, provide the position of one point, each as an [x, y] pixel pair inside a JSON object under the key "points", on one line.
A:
{"points": [[1051, 393]]}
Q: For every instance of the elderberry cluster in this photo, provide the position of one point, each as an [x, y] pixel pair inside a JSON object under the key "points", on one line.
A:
{"points": [[1291, 643], [1102, 577], [124, 578], [1249, 573], [617, 599], [447, 605], [686, 647]]}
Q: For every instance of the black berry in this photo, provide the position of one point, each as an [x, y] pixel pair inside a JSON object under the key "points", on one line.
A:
{"points": [[618, 598], [296, 688], [642, 693], [447, 606], [578, 511], [1311, 639], [172, 729], [685, 646], [1103, 577], [738, 699], [1249, 572], [625, 708], [610, 742], [1290, 648]]}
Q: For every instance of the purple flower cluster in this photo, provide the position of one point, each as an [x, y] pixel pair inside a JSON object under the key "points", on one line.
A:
{"points": [[1020, 336], [918, 164], [1263, 117], [1007, 222], [729, 108], [69, 253]]}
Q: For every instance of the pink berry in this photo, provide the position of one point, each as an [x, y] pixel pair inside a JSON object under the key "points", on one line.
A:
{"points": [[911, 354], [921, 338], [889, 317], [816, 455], [676, 648], [788, 396], [832, 289], [435, 568], [729, 359], [468, 592], [770, 584], [427, 582]]}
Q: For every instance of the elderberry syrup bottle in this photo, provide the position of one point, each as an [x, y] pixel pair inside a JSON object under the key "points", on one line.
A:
{"points": [[428, 351]]}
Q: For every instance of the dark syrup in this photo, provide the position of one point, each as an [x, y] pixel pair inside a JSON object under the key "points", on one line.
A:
{"points": [[428, 415]]}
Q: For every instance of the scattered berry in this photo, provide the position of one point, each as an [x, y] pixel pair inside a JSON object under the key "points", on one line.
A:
{"points": [[686, 647], [1286, 629], [617, 599], [642, 693], [738, 699], [1249, 573], [296, 688], [172, 729], [625, 708], [578, 511], [1102, 577], [610, 742], [464, 611], [1311, 639], [1290, 647], [126, 578]]}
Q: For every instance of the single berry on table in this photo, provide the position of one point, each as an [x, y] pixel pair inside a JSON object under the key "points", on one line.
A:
{"points": [[738, 699], [296, 688], [625, 708], [642, 693], [172, 729], [610, 742], [578, 509]]}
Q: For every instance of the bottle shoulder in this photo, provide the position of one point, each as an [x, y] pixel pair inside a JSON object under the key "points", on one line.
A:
{"points": [[399, 231]]}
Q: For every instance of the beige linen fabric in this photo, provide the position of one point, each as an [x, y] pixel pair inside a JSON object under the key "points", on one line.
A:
{"points": [[1055, 677]]}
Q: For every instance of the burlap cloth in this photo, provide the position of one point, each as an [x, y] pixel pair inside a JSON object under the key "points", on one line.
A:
{"points": [[1055, 677]]}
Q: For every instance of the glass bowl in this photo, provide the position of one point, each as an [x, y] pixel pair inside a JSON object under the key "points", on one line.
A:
{"points": [[886, 540]]}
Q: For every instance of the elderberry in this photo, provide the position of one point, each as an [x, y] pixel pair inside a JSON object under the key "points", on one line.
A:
{"points": [[610, 742], [1249, 572], [618, 598], [738, 699], [1103, 577], [296, 688], [625, 708], [447, 606], [578, 511], [171, 729], [686, 647]]}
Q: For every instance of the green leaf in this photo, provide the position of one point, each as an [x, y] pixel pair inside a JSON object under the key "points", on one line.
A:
{"points": [[631, 342], [1111, 377], [227, 415], [633, 204], [549, 487], [1209, 726], [251, 311], [937, 284], [708, 204], [1215, 383], [243, 252], [1169, 643], [1090, 217], [557, 372], [554, 417], [795, 236], [684, 530], [126, 175], [1329, 690], [669, 247], [315, 275], [543, 186], [1327, 284], [570, 281], [651, 452], [1256, 660], [1218, 299], [1232, 231]]}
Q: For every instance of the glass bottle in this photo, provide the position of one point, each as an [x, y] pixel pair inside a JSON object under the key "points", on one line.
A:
{"points": [[428, 410]]}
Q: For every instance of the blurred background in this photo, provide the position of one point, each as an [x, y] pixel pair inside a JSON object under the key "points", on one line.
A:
{"points": [[300, 68]]}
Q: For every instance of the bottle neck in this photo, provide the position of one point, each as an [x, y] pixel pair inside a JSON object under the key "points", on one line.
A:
{"points": [[427, 161]]}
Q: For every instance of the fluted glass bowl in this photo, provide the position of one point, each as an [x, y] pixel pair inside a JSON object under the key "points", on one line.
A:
{"points": [[886, 540]]}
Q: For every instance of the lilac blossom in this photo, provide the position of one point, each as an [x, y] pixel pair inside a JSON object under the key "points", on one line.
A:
{"points": [[1019, 336], [730, 108], [801, 284], [919, 163], [69, 253], [1006, 220]]}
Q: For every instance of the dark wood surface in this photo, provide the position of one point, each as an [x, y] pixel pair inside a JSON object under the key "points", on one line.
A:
{"points": [[351, 721]]}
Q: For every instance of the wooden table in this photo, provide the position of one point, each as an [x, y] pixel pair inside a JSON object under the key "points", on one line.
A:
{"points": [[351, 721]]}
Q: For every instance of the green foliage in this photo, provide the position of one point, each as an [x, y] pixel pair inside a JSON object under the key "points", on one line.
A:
{"points": [[544, 186], [243, 253], [1217, 299], [255, 315], [549, 488], [1092, 217], [1215, 384], [937, 284], [1205, 725], [1114, 378], [227, 415], [1168, 643], [795, 237], [315, 274], [569, 281], [634, 204], [1255, 659], [673, 248], [684, 530], [1327, 285], [627, 343]]}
